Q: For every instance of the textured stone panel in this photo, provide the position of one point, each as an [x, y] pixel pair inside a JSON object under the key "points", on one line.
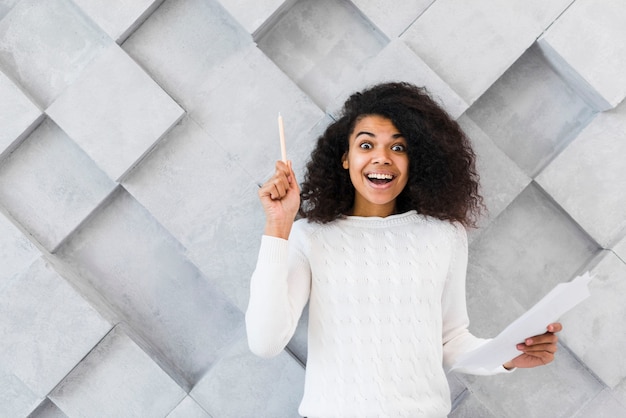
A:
{"points": [[243, 385], [521, 256], [471, 44], [18, 115], [45, 328], [49, 185], [6, 6], [620, 392], [471, 407], [16, 251], [47, 59], [191, 163], [597, 320], [589, 177], [141, 271], [501, 180], [392, 20], [118, 18], [47, 409], [557, 390], [530, 113], [248, 129], [183, 41], [586, 44], [117, 379], [620, 249], [188, 408], [255, 16], [605, 405], [321, 45], [406, 67], [115, 112], [458, 391], [16, 399]]}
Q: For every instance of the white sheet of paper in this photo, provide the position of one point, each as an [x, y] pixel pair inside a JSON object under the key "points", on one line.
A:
{"points": [[502, 348]]}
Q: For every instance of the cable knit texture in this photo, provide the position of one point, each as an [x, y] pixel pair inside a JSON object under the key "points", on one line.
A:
{"points": [[386, 310]]}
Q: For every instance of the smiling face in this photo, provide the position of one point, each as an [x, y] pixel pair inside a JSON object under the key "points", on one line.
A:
{"points": [[378, 164]]}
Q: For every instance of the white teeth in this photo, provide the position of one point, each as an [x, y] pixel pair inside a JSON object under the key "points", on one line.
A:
{"points": [[380, 176]]}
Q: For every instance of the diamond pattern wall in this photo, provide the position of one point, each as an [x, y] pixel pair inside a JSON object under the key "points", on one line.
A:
{"points": [[132, 139]]}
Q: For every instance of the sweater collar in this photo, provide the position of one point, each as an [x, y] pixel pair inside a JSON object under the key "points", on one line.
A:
{"points": [[375, 221]]}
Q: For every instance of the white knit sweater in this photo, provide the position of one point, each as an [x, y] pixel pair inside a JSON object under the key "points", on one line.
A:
{"points": [[386, 310]]}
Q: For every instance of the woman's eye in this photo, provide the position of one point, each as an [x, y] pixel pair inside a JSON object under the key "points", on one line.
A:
{"points": [[366, 145], [398, 148]]}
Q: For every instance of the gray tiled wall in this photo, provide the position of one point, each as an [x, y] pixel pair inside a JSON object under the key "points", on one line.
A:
{"points": [[133, 136]]}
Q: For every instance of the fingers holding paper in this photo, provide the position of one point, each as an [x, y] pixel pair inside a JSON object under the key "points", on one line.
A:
{"points": [[538, 350], [280, 197]]}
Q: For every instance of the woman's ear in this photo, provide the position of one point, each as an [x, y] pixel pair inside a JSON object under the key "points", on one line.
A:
{"points": [[344, 161]]}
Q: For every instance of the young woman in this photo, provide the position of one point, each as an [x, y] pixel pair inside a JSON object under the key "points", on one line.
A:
{"points": [[380, 254]]}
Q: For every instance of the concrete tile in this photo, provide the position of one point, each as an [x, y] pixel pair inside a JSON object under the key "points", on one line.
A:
{"points": [[49, 185], [46, 328], [241, 385], [521, 256], [242, 100], [406, 67], [471, 407], [47, 60], [191, 163], [117, 379], [16, 399], [620, 249], [254, 16], [18, 115], [501, 180], [200, 35], [6, 6], [530, 113], [136, 265], [586, 45], [458, 391], [221, 227], [16, 251], [471, 44], [620, 392], [188, 408], [558, 390], [392, 20], [47, 409], [115, 112], [593, 321], [588, 178], [605, 405], [118, 18], [321, 57]]}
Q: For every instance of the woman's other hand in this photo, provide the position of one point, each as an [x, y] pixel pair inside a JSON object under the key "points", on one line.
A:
{"points": [[538, 350]]}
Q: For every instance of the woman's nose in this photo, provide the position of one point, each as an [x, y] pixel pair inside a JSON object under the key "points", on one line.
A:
{"points": [[381, 156]]}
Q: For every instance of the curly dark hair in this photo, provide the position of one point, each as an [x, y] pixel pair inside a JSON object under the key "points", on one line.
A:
{"points": [[443, 182]]}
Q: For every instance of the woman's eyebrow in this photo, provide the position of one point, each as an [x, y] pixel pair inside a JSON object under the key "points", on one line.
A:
{"points": [[395, 136]]}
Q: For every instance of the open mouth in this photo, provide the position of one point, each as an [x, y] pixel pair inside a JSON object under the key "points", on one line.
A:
{"points": [[380, 178]]}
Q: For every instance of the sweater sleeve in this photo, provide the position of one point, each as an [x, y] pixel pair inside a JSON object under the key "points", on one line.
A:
{"points": [[455, 334], [279, 290]]}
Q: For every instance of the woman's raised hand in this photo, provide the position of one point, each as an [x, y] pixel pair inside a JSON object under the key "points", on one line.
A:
{"points": [[280, 197]]}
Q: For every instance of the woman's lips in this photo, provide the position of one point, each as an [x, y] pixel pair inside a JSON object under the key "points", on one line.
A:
{"points": [[380, 179]]}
